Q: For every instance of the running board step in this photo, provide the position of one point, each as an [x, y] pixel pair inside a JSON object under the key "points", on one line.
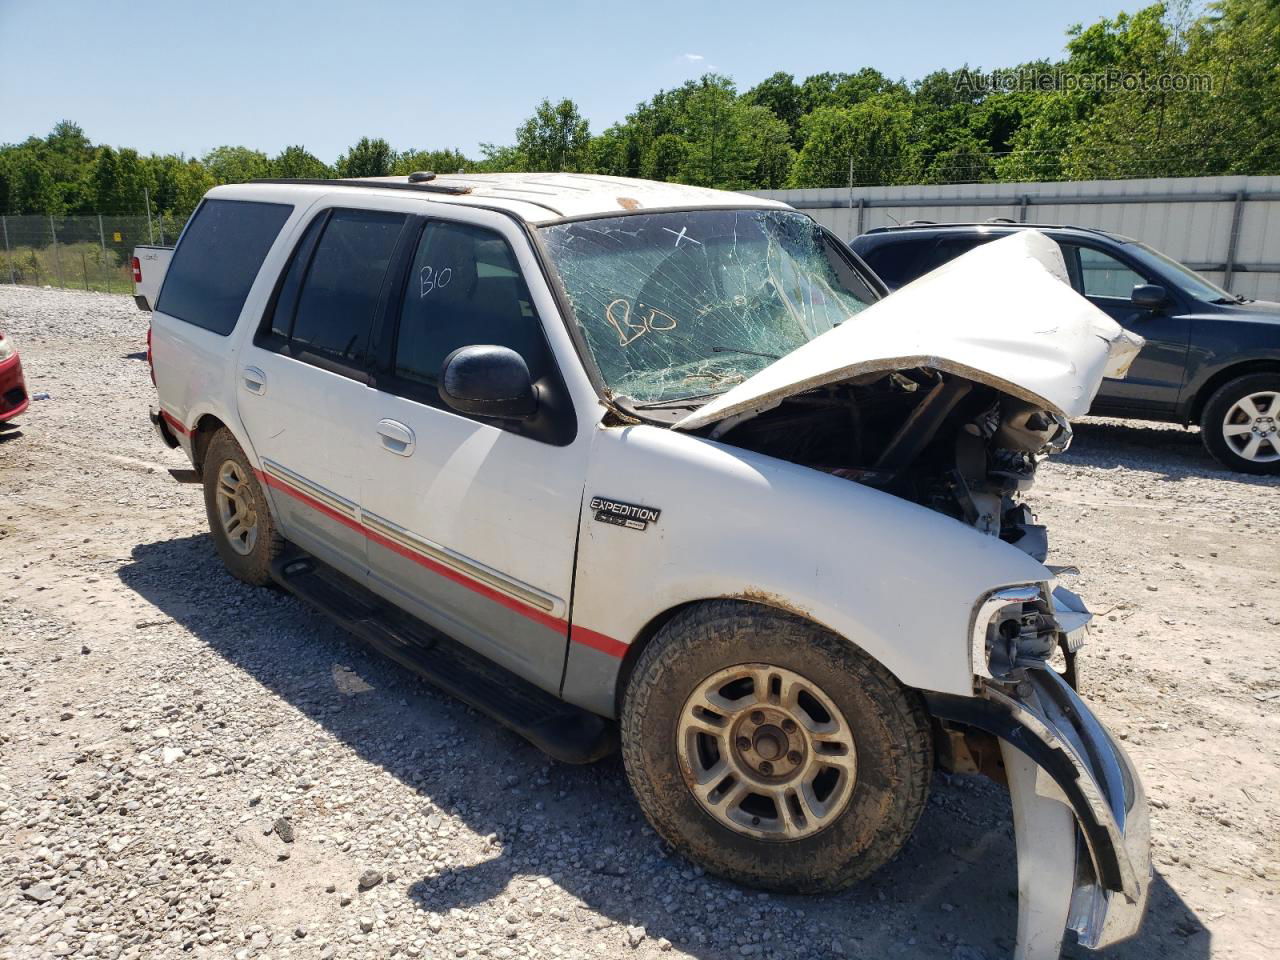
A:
{"points": [[561, 730]]}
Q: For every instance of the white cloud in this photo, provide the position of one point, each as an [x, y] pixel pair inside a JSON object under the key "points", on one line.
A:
{"points": [[694, 57]]}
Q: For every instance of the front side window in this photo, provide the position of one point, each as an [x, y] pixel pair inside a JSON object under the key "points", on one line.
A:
{"points": [[464, 289], [1186, 279], [218, 259], [342, 285], [1102, 275], [693, 303]]}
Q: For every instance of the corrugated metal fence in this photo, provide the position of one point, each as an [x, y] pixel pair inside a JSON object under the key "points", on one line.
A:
{"points": [[1228, 228]]}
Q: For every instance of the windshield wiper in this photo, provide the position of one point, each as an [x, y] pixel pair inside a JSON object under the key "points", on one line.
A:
{"points": [[690, 402], [751, 353]]}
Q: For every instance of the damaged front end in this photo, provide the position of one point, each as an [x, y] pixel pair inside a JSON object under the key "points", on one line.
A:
{"points": [[949, 394], [1079, 812]]}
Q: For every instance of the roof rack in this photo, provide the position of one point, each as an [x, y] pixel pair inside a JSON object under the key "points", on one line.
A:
{"points": [[991, 222], [421, 186]]}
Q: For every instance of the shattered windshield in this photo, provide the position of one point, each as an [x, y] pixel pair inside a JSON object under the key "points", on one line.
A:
{"points": [[689, 304]]}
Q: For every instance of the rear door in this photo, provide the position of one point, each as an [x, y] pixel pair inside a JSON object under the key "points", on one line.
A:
{"points": [[1155, 377], [302, 381], [472, 522]]}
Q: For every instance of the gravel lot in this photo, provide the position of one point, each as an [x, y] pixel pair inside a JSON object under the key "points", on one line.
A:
{"points": [[189, 766]]}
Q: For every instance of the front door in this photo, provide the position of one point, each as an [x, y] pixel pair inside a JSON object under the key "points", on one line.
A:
{"points": [[472, 523], [303, 379], [1154, 380]]}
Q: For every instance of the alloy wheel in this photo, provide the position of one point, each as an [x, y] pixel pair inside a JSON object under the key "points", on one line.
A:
{"points": [[1252, 427], [766, 752], [236, 511]]}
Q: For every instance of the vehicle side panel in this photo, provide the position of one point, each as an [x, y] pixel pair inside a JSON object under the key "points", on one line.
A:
{"points": [[898, 580], [1221, 341]]}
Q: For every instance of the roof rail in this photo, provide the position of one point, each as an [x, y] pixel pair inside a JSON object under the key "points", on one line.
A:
{"points": [[992, 222], [410, 184]]}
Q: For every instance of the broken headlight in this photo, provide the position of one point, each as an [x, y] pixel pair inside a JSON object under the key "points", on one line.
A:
{"points": [[1011, 625]]}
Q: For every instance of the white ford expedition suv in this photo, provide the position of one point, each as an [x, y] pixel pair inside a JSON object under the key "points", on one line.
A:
{"points": [[631, 463]]}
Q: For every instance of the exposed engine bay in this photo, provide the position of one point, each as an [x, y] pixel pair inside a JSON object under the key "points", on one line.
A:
{"points": [[957, 446]]}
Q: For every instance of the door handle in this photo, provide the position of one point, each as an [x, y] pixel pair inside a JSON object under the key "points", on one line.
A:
{"points": [[396, 437], [255, 381]]}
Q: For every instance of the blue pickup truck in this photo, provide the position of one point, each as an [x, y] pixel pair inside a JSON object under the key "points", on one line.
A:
{"points": [[1211, 357]]}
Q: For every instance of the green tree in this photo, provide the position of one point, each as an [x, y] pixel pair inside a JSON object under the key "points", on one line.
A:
{"points": [[501, 159], [614, 152], [297, 162], [666, 158], [30, 184], [437, 161], [767, 141], [555, 138], [714, 130], [874, 135], [779, 94], [368, 158], [237, 164]]}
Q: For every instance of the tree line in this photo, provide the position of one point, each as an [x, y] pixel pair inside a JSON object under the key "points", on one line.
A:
{"points": [[1170, 90]]}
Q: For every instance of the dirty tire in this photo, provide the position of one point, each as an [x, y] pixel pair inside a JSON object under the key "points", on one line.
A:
{"points": [[255, 566], [890, 732], [1215, 413]]}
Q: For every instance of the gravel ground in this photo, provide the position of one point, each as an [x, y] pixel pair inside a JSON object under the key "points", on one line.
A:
{"points": [[191, 766]]}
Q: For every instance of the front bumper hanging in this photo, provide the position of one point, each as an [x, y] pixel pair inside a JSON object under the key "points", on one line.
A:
{"points": [[1089, 871]]}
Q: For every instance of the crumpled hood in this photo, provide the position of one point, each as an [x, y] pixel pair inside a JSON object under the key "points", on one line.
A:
{"points": [[1003, 314]]}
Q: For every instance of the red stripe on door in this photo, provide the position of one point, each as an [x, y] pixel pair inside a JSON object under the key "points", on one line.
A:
{"points": [[589, 638], [598, 641], [476, 586]]}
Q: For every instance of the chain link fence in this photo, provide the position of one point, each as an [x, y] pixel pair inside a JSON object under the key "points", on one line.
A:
{"points": [[79, 253]]}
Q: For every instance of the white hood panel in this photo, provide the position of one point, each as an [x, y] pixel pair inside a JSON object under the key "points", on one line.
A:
{"points": [[1003, 314]]}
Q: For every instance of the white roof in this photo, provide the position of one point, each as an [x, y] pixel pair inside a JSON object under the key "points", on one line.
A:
{"points": [[543, 197]]}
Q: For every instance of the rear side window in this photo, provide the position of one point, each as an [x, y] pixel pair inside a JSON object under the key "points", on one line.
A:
{"points": [[342, 285], [897, 264], [216, 262], [951, 247]]}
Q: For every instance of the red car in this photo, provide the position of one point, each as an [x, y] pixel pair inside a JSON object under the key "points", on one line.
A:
{"points": [[13, 389]]}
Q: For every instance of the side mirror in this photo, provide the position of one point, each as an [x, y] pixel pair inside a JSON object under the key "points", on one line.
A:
{"points": [[488, 381], [1149, 296]]}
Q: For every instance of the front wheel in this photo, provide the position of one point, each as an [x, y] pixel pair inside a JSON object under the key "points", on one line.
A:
{"points": [[1240, 425], [771, 751]]}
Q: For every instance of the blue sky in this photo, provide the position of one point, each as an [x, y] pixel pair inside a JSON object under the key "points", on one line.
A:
{"points": [[182, 76]]}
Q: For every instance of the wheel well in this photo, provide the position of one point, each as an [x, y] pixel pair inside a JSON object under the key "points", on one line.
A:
{"points": [[651, 629], [647, 633], [1226, 376], [203, 433]]}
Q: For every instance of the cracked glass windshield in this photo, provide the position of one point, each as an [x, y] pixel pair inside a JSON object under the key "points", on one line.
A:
{"points": [[690, 304]]}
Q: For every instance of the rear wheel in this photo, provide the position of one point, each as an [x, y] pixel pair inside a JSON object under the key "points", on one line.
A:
{"points": [[244, 533], [1240, 425], [771, 751]]}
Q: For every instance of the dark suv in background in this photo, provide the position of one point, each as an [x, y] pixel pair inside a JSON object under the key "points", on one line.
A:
{"points": [[1211, 357]]}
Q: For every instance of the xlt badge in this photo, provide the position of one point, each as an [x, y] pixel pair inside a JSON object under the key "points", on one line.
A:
{"points": [[620, 514]]}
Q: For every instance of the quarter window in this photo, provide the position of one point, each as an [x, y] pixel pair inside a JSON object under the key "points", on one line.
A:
{"points": [[342, 285], [218, 259], [464, 289], [1102, 275]]}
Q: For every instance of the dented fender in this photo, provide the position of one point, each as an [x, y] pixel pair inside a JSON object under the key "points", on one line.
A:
{"points": [[1091, 871]]}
